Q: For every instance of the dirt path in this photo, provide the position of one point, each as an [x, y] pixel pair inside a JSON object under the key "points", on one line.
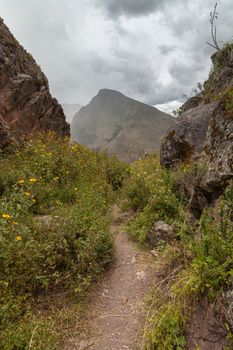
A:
{"points": [[115, 317]]}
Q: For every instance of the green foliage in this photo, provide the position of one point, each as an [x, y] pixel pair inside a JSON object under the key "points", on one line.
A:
{"points": [[54, 231], [149, 191], [116, 172], [169, 331], [229, 102], [213, 261], [224, 56], [206, 269], [205, 263]]}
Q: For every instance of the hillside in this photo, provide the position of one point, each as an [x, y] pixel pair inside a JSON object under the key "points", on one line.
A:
{"points": [[70, 110], [26, 105], [120, 125]]}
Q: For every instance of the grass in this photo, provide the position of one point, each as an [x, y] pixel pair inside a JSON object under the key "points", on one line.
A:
{"points": [[198, 263], [55, 215]]}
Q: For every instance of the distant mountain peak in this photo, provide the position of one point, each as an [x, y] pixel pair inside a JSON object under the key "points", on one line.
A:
{"points": [[109, 92], [120, 125]]}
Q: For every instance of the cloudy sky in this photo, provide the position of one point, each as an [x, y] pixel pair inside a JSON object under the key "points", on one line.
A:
{"points": [[151, 50]]}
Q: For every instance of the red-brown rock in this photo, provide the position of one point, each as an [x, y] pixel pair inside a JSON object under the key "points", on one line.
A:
{"points": [[26, 105]]}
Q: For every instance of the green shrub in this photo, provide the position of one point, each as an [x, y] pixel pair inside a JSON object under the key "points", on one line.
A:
{"points": [[54, 231], [149, 191], [116, 172]]}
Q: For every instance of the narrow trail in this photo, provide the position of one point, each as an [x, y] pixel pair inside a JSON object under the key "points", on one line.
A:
{"points": [[116, 314]]}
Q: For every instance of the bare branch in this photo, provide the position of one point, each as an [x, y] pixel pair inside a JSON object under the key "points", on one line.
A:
{"points": [[213, 18]]}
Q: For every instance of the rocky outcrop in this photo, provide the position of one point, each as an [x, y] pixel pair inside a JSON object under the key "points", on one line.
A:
{"points": [[26, 105], [6, 137], [206, 331], [219, 147], [160, 231], [119, 125], [221, 75], [186, 139], [205, 133]]}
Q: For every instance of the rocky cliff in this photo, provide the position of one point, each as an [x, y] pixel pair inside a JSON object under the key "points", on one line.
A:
{"points": [[120, 125], [203, 133], [26, 105]]}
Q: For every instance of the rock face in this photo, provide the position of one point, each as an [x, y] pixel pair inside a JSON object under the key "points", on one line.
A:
{"points": [[219, 147], [186, 139], [6, 137], [205, 132], [26, 105], [120, 125], [206, 331]]}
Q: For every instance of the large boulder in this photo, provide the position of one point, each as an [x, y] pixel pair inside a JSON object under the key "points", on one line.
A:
{"points": [[26, 105], [186, 139]]}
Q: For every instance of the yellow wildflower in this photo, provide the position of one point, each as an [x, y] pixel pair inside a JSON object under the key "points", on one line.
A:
{"points": [[27, 194], [32, 180], [18, 238], [5, 216], [21, 181], [15, 223]]}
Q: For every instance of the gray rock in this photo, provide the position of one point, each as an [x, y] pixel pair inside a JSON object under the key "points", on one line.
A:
{"points": [[186, 139], [219, 148], [160, 231]]}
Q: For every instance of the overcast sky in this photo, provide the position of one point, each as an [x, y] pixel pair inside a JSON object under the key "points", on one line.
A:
{"points": [[151, 50]]}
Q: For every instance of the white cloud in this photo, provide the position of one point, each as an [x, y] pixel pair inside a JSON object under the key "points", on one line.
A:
{"points": [[151, 50], [169, 107]]}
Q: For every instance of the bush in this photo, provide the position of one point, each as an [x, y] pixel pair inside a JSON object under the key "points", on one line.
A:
{"points": [[116, 172], [149, 191], [54, 231]]}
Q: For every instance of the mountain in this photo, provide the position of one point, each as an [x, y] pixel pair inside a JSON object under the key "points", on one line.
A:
{"points": [[26, 105], [70, 110], [120, 125]]}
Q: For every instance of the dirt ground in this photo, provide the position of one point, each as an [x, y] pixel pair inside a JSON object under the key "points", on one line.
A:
{"points": [[115, 317]]}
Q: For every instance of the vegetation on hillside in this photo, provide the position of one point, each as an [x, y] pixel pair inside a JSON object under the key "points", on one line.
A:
{"points": [[55, 208], [55, 201], [198, 263]]}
